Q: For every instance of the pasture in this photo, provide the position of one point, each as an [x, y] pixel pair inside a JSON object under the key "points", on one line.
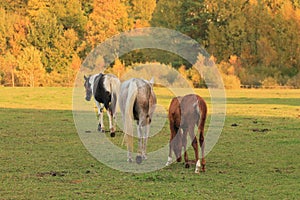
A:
{"points": [[257, 155]]}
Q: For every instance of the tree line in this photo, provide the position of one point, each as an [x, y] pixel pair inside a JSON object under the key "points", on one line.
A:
{"points": [[253, 42]]}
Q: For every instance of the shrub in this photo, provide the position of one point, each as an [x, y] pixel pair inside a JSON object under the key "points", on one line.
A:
{"points": [[294, 81], [269, 82], [231, 81]]}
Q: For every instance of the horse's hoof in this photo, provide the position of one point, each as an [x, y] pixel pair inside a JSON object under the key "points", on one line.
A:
{"points": [[144, 157], [129, 160], [187, 165], [179, 159], [112, 134], [138, 159]]}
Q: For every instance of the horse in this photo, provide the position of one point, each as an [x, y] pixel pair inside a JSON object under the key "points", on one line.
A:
{"points": [[184, 114], [105, 89], [137, 101]]}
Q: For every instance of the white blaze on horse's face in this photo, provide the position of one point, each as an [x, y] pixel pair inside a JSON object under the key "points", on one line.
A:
{"points": [[88, 88]]}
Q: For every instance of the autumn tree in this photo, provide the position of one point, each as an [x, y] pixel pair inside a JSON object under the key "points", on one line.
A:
{"points": [[14, 6], [118, 68], [13, 32], [107, 19], [262, 35], [30, 69], [57, 30]]}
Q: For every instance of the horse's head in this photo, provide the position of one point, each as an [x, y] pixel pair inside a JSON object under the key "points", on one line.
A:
{"points": [[88, 88]]}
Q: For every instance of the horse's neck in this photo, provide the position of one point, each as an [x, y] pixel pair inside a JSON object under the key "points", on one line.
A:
{"points": [[95, 81]]}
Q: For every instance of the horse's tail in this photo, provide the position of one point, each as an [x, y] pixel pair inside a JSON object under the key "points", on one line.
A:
{"points": [[202, 111], [115, 90], [128, 115]]}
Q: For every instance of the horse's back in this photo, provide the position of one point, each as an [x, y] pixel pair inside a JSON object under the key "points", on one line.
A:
{"points": [[101, 93], [144, 102], [106, 85], [143, 90]]}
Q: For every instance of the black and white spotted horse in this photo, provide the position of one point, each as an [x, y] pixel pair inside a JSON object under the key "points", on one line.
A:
{"points": [[105, 90]]}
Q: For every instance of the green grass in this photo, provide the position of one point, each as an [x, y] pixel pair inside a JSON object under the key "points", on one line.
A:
{"points": [[42, 157]]}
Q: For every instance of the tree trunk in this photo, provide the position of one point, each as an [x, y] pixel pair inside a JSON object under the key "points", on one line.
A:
{"points": [[12, 76]]}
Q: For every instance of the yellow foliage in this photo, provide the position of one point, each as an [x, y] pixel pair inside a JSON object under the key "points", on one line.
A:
{"points": [[76, 63], [107, 19], [231, 70], [119, 68], [30, 71], [233, 59], [182, 71], [195, 77], [231, 81]]}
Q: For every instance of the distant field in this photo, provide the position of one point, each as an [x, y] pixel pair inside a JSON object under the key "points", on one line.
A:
{"points": [[256, 157]]}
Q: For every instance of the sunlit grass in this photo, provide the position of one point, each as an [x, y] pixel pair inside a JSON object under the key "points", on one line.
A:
{"points": [[42, 157]]}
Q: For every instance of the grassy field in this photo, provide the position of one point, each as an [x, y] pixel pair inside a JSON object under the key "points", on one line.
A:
{"points": [[42, 157]]}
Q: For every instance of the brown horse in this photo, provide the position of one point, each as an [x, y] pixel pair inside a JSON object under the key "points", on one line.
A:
{"points": [[184, 113]]}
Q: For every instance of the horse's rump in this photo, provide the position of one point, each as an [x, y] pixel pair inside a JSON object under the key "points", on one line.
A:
{"points": [[193, 109], [174, 112]]}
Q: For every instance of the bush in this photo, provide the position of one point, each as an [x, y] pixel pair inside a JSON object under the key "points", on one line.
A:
{"points": [[269, 82], [231, 81], [294, 81]]}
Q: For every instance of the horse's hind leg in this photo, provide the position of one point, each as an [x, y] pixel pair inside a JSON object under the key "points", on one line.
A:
{"points": [[100, 116], [111, 123], [184, 143], [201, 133], [195, 146], [129, 142], [140, 144], [172, 144], [144, 147], [202, 145]]}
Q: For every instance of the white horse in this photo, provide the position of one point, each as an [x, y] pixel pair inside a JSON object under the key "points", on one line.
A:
{"points": [[137, 102], [105, 89]]}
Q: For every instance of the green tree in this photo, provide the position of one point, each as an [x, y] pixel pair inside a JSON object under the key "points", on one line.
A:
{"points": [[62, 57], [44, 31], [194, 20], [167, 14], [70, 15], [227, 28], [141, 12]]}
